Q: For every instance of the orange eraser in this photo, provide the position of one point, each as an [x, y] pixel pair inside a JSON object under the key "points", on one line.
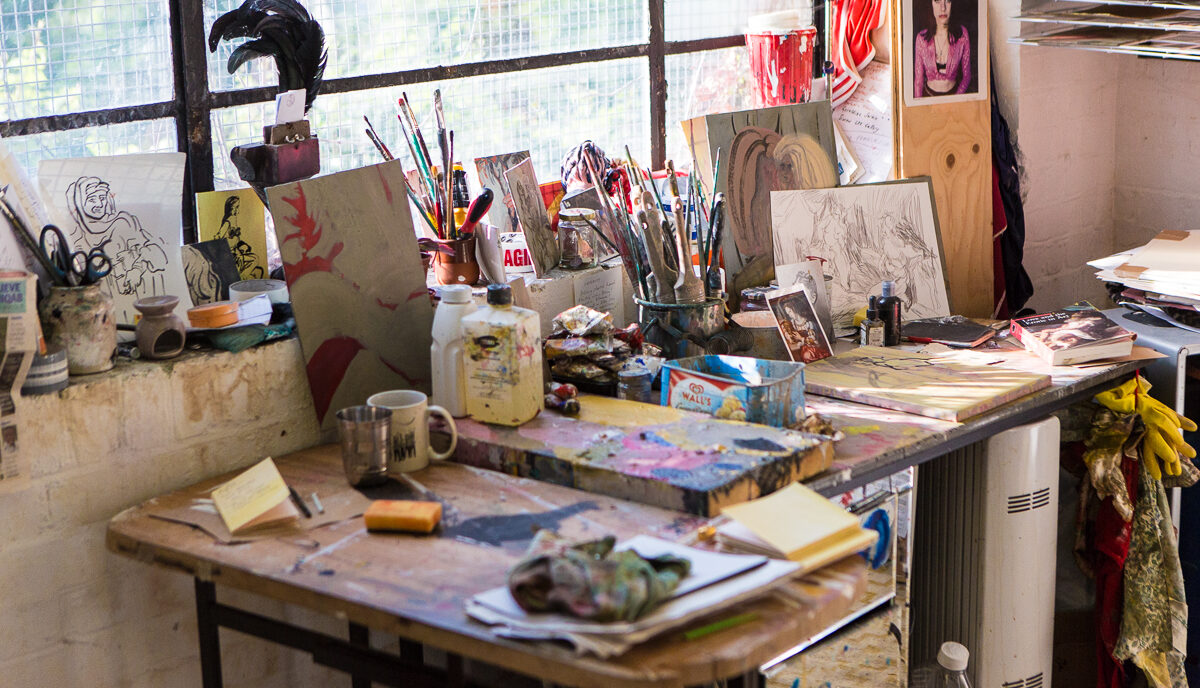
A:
{"points": [[403, 515]]}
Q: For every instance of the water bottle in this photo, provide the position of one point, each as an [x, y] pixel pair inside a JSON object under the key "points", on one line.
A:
{"points": [[949, 672]]}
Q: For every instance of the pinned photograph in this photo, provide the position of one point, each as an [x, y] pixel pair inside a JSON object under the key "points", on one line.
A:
{"points": [[798, 325], [945, 51]]}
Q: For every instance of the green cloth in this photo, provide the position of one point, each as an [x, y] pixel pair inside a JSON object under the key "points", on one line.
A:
{"points": [[1154, 619], [591, 581]]}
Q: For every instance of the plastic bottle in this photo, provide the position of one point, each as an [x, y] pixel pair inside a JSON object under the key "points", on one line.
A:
{"points": [[889, 313], [871, 330], [502, 360], [952, 664], [460, 195], [449, 379]]}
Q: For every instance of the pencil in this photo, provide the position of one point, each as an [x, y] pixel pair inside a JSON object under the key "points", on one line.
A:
{"points": [[299, 502], [720, 625]]}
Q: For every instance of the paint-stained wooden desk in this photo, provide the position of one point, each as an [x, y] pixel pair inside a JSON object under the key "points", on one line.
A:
{"points": [[414, 586]]}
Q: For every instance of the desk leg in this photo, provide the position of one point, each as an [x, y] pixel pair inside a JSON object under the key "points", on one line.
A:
{"points": [[454, 671], [360, 636], [208, 631]]}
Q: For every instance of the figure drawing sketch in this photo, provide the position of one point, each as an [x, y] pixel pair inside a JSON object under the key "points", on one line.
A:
{"points": [[139, 260]]}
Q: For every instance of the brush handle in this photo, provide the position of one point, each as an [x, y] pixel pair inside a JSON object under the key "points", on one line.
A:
{"points": [[713, 283], [476, 211], [664, 277], [688, 288]]}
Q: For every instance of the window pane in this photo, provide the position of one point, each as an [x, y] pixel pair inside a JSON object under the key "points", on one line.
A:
{"points": [[150, 136], [547, 111], [77, 55], [380, 36], [704, 83], [690, 19]]}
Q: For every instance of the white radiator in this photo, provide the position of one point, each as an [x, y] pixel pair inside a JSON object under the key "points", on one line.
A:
{"points": [[984, 556]]}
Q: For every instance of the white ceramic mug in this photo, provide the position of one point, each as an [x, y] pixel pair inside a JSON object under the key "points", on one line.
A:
{"points": [[410, 429]]}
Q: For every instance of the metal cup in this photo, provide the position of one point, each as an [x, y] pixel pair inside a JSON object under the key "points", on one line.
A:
{"points": [[366, 436]]}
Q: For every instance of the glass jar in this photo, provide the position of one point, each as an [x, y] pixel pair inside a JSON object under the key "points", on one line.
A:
{"points": [[635, 384], [577, 238]]}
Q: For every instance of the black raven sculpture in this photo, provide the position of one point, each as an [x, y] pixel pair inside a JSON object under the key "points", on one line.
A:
{"points": [[281, 29]]}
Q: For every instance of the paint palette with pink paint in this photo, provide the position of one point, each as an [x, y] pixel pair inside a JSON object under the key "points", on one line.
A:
{"points": [[737, 388]]}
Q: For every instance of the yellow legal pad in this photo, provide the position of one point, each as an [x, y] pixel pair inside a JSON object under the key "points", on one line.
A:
{"points": [[797, 524], [257, 497]]}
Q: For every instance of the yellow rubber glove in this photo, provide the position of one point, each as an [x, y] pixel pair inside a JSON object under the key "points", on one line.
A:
{"points": [[1163, 442]]}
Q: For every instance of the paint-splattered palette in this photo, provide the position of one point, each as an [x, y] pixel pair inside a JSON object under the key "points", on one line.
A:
{"points": [[650, 454]]}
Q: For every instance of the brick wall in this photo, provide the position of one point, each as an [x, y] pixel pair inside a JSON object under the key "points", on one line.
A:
{"points": [[75, 614]]}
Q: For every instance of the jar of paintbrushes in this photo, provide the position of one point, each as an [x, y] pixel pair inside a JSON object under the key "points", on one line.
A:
{"points": [[576, 238]]}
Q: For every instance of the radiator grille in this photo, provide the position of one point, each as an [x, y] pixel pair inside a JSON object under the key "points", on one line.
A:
{"points": [[1028, 501], [1034, 681]]}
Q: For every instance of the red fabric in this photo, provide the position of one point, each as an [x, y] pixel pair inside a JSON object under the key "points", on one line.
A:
{"points": [[999, 225], [1112, 548], [853, 22]]}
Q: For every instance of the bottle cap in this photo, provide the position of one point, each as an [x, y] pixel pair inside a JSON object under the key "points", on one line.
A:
{"points": [[456, 293], [953, 656], [499, 295], [888, 288]]}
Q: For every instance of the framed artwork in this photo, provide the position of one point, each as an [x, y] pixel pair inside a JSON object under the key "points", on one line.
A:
{"points": [[532, 217], [209, 268], [867, 234], [491, 171], [945, 56]]}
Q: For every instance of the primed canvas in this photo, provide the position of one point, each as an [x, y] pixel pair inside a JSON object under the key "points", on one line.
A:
{"points": [[867, 234], [491, 176], [358, 291], [531, 213]]}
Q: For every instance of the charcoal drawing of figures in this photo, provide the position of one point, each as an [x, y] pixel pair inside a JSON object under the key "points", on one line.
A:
{"points": [[231, 231], [867, 234], [139, 260]]}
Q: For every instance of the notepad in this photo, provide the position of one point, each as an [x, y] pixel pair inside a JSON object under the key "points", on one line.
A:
{"points": [[795, 523], [256, 498]]}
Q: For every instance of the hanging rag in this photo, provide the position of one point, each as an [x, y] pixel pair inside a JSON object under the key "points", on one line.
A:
{"points": [[853, 22], [591, 581], [1154, 618], [1163, 443]]}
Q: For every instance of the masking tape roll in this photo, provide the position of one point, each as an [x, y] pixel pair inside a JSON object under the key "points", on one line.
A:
{"points": [[276, 290]]}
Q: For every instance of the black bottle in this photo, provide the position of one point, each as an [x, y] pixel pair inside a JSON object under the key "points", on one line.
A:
{"points": [[889, 313]]}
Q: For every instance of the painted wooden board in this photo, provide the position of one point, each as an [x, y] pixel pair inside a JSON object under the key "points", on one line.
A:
{"points": [[414, 586], [937, 386], [952, 144], [354, 273], [647, 453]]}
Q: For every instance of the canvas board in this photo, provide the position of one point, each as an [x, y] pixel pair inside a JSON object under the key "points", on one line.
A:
{"points": [[532, 217], [765, 150], [798, 325], [937, 386], [491, 171], [129, 206], [867, 234], [358, 291], [22, 197], [238, 217], [209, 268], [955, 71]]}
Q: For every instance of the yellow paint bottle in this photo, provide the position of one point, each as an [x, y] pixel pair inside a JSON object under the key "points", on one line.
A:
{"points": [[503, 360]]}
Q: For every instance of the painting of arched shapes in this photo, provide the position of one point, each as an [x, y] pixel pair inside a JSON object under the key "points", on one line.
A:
{"points": [[358, 290], [771, 149]]}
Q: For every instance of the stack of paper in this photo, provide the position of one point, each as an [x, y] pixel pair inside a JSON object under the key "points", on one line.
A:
{"points": [[716, 581], [1164, 273], [795, 523]]}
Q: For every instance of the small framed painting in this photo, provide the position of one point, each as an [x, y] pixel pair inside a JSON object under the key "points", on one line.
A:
{"points": [[798, 325]]}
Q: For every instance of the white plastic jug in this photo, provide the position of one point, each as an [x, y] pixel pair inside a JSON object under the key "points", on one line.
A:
{"points": [[449, 380]]}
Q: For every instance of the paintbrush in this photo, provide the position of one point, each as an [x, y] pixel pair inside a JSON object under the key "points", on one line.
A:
{"points": [[374, 135], [688, 289], [25, 235], [477, 209], [628, 261], [713, 279], [664, 277]]}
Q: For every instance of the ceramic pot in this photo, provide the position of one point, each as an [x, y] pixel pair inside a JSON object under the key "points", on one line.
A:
{"points": [[81, 321], [160, 333], [455, 262]]}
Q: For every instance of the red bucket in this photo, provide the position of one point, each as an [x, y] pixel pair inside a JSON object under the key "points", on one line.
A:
{"points": [[782, 64]]}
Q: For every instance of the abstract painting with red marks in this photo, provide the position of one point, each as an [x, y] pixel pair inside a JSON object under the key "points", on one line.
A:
{"points": [[358, 291]]}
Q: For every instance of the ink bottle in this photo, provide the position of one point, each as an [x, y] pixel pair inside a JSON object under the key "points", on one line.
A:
{"points": [[889, 312], [870, 332]]}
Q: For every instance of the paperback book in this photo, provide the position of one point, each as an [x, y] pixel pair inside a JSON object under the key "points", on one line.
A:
{"points": [[1076, 334]]}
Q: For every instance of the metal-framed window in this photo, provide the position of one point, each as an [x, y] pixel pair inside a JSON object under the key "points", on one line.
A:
{"points": [[557, 68]]}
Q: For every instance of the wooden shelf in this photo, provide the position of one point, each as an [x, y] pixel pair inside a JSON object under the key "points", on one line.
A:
{"points": [[1168, 29]]}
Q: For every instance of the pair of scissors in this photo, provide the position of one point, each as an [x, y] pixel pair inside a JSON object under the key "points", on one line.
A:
{"points": [[76, 269]]}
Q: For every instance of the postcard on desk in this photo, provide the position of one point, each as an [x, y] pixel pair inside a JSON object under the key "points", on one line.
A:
{"points": [[934, 385]]}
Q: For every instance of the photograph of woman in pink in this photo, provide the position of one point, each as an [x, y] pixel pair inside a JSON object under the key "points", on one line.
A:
{"points": [[944, 48]]}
